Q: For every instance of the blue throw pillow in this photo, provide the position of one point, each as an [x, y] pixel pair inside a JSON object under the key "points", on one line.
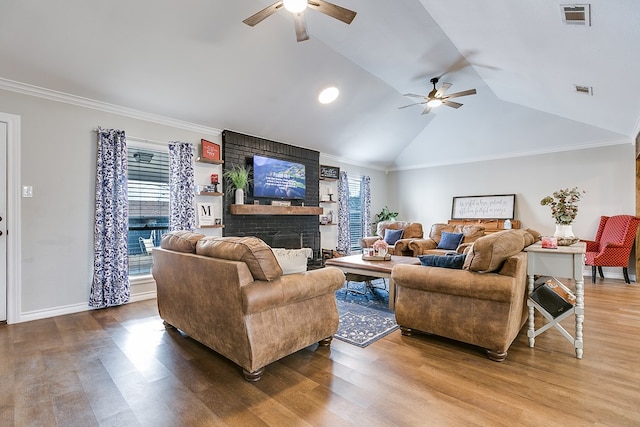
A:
{"points": [[445, 261], [392, 236], [450, 241]]}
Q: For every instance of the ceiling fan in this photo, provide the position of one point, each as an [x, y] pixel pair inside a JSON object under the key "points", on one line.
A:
{"points": [[437, 97], [297, 7]]}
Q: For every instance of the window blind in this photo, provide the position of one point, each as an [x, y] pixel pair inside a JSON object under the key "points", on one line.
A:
{"points": [[148, 187]]}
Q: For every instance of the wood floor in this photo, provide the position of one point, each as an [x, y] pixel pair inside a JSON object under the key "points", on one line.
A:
{"points": [[120, 367]]}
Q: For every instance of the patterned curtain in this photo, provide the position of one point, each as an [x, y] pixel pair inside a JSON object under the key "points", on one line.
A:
{"points": [[182, 214], [110, 285], [344, 224], [365, 204]]}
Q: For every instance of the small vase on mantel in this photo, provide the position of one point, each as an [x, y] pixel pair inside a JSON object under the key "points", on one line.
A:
{"points": [[239, 196], [564, 234]]}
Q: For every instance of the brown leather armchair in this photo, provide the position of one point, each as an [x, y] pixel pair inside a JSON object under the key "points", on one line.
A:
{"points": [[411, 230], [482, 304]]}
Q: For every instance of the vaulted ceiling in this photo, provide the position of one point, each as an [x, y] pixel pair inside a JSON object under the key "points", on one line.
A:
{"points": [[195, 60]]}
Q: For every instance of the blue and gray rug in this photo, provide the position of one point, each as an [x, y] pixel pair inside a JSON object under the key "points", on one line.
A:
{"points": [[364, 319]]}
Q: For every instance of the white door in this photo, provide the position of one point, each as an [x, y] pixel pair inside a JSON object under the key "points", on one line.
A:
{"points": [[3, 222]]}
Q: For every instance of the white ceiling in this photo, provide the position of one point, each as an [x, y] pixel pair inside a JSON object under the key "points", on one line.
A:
{"points": [[195, 60]]}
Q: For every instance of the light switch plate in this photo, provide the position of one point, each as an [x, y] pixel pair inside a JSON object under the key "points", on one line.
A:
{"points": [[27, 191]]}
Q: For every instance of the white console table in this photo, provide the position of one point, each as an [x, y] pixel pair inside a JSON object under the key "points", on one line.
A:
{"points": [[565, 261]]}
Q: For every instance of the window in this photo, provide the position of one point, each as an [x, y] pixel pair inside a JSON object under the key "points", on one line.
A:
{"points": [[148, 186], [355, 213]]}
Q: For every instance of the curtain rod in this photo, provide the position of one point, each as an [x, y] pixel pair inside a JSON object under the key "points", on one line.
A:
{"points": [[139, 139]]}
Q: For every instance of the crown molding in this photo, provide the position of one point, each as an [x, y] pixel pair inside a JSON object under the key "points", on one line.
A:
{"points": [[353, 162], [54, 95], [597, 144]]}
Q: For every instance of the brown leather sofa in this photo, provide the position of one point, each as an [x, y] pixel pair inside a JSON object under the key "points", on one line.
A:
{"points": [[482, 304], [412, 230], [430, 244], [229, 294]]}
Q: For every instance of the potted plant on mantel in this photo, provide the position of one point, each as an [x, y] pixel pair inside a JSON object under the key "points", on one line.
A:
{"points": [[238, 178], [564, 209]]}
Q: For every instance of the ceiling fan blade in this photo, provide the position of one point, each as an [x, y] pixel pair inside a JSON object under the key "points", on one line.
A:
{"points": [[426, 110], [442, 90], [452, 104], [301, 26], [463, 93], [414, 95], [411, 105], [263, 14], [334, 11]]}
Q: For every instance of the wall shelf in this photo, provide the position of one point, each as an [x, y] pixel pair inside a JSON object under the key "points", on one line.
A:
{"points": [[210, 161], [209, 193], [274, 210], [212, 226]]}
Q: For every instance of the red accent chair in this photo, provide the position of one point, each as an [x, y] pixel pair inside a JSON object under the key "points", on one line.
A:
{"points": [[613, 243]]}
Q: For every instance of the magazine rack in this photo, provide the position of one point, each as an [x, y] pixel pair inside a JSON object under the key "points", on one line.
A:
{"points": [[565, 261]]}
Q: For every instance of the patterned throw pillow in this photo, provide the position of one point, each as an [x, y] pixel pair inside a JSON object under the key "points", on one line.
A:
{"points": [[450, 241]]}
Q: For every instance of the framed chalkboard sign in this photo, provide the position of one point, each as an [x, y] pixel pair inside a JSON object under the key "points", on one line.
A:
{"points": [[329, 172], [484, 207]]}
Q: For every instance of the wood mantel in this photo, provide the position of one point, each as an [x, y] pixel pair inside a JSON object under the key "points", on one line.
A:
{"points": [[274, 210]]}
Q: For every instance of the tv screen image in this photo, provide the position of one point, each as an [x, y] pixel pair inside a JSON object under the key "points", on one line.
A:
{"points": [[278, 179]]}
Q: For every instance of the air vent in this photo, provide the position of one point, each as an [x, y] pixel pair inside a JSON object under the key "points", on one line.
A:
{"points": [[587, 90], [576, 14]]}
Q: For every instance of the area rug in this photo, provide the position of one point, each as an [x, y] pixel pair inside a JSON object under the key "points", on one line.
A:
{"points": [[364, 319]]}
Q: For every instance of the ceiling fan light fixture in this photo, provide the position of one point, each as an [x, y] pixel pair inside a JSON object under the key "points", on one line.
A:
{"points": [[433, 103], [328, 95], [295, 6]]}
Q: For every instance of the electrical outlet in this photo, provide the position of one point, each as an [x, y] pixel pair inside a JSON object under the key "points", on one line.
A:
{"points": [[27, 191]]}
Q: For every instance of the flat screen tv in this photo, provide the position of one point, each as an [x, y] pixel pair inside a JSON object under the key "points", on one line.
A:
{"points": [[278, 179]]}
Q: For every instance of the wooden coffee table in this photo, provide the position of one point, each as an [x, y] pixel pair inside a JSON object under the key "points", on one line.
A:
{"points": [[381, 269]]}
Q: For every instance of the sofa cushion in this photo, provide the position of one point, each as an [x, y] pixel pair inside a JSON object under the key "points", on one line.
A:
{"points": [[454, 260], [252, 251], [392, 236], [488, 253], [449, 241], [181, 241]]}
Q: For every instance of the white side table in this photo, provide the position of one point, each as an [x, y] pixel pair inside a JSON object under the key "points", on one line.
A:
{"points": [[565, 261]]}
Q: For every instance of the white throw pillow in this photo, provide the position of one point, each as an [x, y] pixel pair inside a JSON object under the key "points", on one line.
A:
{"points": [[292, 260]]}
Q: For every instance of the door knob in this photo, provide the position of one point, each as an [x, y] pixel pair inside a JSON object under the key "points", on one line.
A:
{"points": [[0, 232]]}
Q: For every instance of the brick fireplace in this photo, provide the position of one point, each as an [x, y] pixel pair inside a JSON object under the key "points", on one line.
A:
{"points": [[289, 231]]}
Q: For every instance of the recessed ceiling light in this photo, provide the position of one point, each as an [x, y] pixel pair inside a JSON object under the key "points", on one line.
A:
{"points": [[328, 95]]}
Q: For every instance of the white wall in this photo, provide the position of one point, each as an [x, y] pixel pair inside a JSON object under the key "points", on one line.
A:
{"points": [[607, 174], [58, 157]]}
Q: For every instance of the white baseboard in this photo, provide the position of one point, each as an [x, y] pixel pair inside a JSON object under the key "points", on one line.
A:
{"points": [[28, 316], [143, 296], [76, 308]]}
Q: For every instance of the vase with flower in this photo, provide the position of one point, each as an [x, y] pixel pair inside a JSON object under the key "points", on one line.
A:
{"points": [[564, 209], [381, 247]]}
